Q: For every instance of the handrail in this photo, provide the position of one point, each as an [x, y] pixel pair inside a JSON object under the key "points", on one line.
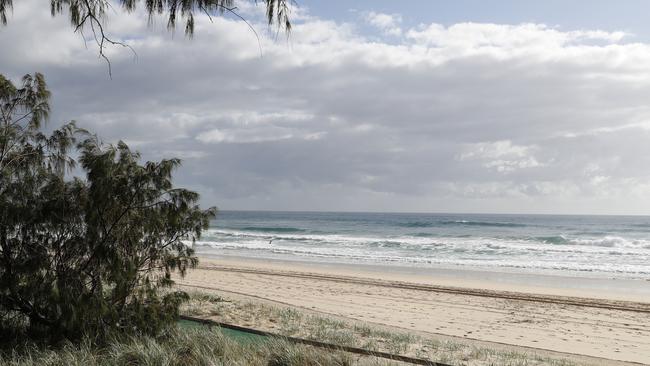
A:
{"points": [[355, 350]]}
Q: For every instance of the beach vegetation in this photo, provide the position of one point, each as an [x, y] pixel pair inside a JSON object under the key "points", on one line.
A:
{"points": [[93, 15], [180, 347], [288, 321], [85, 252]]}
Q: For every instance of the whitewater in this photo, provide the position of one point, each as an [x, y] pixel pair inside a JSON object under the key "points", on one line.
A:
{"points": [[590, 246]]}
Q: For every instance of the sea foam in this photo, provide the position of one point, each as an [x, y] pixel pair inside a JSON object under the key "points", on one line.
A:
{"points": [[555, 244]]}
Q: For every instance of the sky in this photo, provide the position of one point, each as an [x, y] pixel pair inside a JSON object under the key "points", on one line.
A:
{"points": [[414, 106]]}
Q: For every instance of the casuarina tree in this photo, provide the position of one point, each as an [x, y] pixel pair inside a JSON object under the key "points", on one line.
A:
{"points": [[93, 14], [86, 256]]}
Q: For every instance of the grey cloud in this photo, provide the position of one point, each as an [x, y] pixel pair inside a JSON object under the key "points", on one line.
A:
{"points": [[332, 121]]}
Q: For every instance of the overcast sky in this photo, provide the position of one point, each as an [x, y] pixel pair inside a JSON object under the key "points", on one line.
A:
{"points": [[372, 105]]}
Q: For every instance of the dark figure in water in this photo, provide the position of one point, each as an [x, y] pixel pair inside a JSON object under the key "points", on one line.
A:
{"points": [[271, 241]]}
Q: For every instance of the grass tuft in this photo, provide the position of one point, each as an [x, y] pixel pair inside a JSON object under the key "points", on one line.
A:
{"points": [[296, 323], [181, 347]]}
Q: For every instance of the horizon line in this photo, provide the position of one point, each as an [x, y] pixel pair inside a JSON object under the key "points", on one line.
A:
{"points": [[432, 213]]}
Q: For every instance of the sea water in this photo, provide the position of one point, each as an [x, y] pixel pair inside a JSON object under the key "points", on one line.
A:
{"points": [[601, 246]]}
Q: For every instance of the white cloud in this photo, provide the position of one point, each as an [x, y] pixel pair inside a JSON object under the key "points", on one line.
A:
{"points": [[387, 23], [243, 136], [505, 36], [493, 150], [212, 136], [502, 156]]}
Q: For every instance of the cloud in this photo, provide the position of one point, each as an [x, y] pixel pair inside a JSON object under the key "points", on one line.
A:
{"points": [[503, 156], [465, 117], [519, 37], [387, 23]]}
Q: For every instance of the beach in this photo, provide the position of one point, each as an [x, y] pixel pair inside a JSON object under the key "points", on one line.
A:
{"points": [[581, 320]]}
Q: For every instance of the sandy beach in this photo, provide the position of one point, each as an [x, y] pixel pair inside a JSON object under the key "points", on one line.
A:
{"points": [[598, 327]]}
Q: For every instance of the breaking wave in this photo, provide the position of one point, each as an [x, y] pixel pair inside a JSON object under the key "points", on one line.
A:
{"points": [[608, 254]]}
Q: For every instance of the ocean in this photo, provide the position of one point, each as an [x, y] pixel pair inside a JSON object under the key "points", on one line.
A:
{"points": [[589, 246]]}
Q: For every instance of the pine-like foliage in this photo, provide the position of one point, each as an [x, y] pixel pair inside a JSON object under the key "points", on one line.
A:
{"points": [[90, 11], [86, 257]]}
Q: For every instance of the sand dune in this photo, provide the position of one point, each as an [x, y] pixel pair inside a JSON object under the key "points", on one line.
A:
{"points": [[601, 328]]}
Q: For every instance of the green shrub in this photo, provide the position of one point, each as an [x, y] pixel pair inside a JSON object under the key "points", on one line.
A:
{"points": [[85, 256]]}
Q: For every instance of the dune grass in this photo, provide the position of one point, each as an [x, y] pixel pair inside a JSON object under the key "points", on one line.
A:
{"points": [[182, 347], [203, 346], [293, 322]]}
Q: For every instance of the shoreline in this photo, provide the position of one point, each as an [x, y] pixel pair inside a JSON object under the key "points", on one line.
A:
{"points": [[636, 290]]}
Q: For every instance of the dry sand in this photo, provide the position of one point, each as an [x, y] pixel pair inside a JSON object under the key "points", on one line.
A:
{"points": [[484, 312]]}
